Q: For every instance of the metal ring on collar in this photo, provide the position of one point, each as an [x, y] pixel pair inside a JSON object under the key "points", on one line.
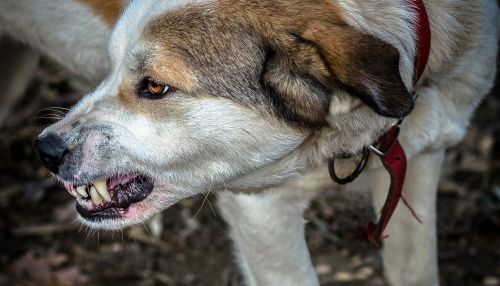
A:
{"points": [[354, 174]]}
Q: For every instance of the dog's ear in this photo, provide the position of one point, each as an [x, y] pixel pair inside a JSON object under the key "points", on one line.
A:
{"points": [[325, 57]]}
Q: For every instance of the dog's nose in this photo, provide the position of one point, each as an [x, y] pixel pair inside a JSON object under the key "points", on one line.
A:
{"points": [[51, 150]]}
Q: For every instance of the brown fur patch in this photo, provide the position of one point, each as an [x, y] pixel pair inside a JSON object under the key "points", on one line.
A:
{"points": [[171, 69], [328, 54], [163, 67], [285, 58], [108, 10], [365, 66]]}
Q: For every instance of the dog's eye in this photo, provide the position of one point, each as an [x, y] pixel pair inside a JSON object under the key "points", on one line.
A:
{"points": [[153, 89]]}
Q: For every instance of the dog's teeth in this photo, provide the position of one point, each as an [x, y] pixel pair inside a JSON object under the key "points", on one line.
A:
{"points": [[102, 189], [94, 195], [81, 191]]}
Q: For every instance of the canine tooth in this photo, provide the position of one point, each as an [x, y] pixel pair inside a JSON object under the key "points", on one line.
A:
{"points": [[96, 198], [81, 191], [102, 189]]}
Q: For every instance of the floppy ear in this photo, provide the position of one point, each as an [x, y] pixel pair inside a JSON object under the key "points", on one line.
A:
{"points": [[325, 57], [365, 66], [297, 94]]}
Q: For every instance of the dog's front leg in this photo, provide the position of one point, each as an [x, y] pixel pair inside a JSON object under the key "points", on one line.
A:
{"points": [[268, 233], [17, 65], [410, 251]]}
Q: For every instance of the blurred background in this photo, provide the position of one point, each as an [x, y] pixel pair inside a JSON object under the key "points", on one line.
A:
{"points": [[42, 244]]}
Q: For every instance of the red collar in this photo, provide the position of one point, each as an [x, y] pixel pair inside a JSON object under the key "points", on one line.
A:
{"points": [[423, 37], [388, 148]]}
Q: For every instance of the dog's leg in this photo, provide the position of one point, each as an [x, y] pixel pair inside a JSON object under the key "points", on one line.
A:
{"points": [[410, 251], [268, 234], [17, 64], [66, 30]]}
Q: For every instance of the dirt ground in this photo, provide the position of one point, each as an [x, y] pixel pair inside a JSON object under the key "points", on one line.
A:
{"points": [[41, 244]]}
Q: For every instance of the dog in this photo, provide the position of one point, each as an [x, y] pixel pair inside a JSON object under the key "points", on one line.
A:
{"points": [[256, 97]]}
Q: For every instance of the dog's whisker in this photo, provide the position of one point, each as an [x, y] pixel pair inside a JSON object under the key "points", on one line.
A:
{"points": [[225, 189], [49, 114], [49, 118], [209, 204], [52, 114], [204, 200], [121, 232], [211, 208], [147, 230], [89, 233], [46, 117], [48, 109], [202, 204], [59, 107], [56, 110]]}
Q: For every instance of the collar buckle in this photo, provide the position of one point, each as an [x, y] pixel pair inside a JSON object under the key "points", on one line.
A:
{"points": [[387, 141]]}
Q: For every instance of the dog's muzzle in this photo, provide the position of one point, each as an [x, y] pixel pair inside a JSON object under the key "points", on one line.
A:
{"points": [[99, 194]]}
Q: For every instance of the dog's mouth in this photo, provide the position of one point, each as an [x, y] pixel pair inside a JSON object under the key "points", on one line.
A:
{"points": [[110, 198]]}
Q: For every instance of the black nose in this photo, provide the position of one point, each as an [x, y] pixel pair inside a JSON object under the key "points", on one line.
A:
{"points": [[51, 150]]}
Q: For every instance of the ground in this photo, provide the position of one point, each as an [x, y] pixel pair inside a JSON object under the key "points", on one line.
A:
{"points": [[41, 244]]}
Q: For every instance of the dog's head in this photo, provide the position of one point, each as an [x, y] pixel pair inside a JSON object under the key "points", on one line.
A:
{"points": [[220, 94]]}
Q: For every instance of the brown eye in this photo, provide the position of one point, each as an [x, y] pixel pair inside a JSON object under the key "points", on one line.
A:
{"points": [[153, 89]]}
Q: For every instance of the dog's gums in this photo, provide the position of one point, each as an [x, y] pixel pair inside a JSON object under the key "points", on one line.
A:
{"points": [[110, 198]]}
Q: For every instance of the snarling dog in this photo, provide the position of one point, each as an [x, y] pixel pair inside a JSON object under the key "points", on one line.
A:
{"points": [[256, 97]]}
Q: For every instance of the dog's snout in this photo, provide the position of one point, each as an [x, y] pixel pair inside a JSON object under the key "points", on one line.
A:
{"points": [[51, 149]]}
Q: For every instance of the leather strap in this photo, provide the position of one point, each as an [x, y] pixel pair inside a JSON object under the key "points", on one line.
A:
{"points": [[389, 149], [423, 37], [393, 156], [394, 161]]}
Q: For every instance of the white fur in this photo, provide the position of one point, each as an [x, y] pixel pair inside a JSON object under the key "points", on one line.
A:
{"points": [[131, 24], [67, 31], [268, 232]]}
